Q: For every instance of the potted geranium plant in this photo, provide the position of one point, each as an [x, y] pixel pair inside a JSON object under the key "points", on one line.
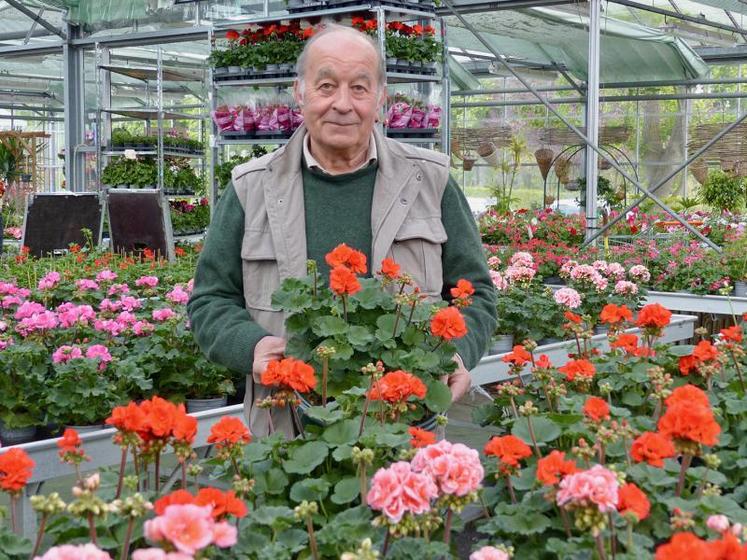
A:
{"points": [[23, 372]]}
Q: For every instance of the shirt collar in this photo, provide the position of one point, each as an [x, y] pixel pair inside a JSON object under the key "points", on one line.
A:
{"points": [[312, 163]]}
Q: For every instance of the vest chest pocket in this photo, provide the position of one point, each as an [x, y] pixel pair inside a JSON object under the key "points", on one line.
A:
{"points": [[260, 269], [417, 249]]}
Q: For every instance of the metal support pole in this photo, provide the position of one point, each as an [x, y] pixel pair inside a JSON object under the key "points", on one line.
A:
{"points": [[502, 59], [74, 88], [686, 139], [159, 93], [592, 117]]}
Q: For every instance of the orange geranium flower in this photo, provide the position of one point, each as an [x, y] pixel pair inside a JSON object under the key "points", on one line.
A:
{"points": [[389, 269], [128, 418], [185, 426], [613, 314], [632, 501], [732, 334], [398, 386], [518, 356], [543, 362], [70, 441], [232, 35], [727, 548], [652, 448], [687, 364], [690, 422], [626, 341], [160, 416], [16, 467], [290, 373], [688, 394], [462, 292], [596, 409], [572, 317], [509, 450], [552, 468], [343, 281], [653, 316], [683, 545], [420, 438], [229, 430], [224, 503], [176, 498], [448, 323], [342, 255], [704, 351], [578, 368]]}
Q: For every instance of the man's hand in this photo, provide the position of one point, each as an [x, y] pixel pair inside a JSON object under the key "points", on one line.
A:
{"points": [[459, 382], [267, 349]]}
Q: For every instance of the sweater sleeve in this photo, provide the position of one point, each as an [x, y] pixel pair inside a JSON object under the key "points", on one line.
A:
{"points": [[222, 326], [463, 257]]}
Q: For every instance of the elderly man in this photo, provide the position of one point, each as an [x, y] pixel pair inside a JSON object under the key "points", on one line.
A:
{"points": [[338, 180]]}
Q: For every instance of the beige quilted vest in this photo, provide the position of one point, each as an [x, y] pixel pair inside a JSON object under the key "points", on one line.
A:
{"points": [[405, 221]]}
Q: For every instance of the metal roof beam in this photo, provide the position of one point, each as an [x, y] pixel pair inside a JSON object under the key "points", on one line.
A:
{"points": [[478, 7], [37, 18], [734, 21], [722, 54], [683, 17]]}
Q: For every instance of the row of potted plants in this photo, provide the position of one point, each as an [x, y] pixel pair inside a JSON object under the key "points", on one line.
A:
{"points": [[86, 332], [276, 116], [410, 113], [122, 138], [634, 453], [141, 172], [189, 217]]}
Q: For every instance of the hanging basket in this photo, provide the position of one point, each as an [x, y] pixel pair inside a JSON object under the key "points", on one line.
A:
{"points": [[603, 164], [468, 163], [488, 152], [572, 185], [544, 161], [700, 171], [562, 169]]}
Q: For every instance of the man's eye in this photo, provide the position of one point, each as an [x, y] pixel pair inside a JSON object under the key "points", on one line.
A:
{"points": [[359, 89], [326, 87]]}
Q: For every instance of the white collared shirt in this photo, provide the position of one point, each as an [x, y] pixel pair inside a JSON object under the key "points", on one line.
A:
{"points": [[312, 163]]}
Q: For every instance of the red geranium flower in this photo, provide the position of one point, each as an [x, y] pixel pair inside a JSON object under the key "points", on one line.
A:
{"points": [[572, 317], [626, 341], [342, 255], [732, 334], [596, 409], [290, 373], [229, 430], [448, 323], [224, 503], [704, 351], [552, 468], [543, 362], [613, 314], [232, 35], [185, 426], [343, 281], [509, 450], [176, 498], [578, 368], [690, 422], [632, 501], [389, 269], [683, 545], [398, 386], [420, 438], [518, 356], [688, 394], [16, 467], [652, 448], [462, 292], [653, 316]]}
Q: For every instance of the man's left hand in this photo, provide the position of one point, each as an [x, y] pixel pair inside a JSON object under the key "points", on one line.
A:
{"points": [[459, 382]]}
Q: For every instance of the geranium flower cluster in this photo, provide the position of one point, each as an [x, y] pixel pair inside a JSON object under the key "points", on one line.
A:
{"points": [[189, 528], [449, 472]]}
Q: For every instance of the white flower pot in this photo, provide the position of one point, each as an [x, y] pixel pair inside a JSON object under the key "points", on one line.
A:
{"points": [[198, 405]]}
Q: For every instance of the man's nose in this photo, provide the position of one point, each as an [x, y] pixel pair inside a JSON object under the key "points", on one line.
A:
{"points": [[342, 101]]}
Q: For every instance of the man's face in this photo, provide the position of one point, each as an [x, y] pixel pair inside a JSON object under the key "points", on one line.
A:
{"points": [[340, 97]]}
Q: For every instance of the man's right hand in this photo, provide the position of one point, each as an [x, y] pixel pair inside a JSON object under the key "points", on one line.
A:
{"points": [[267, 349]]}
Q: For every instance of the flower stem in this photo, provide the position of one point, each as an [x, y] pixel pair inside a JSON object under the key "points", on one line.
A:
{"points": [[447, 526], [365, 406], [344, 307], [566, 522], [630, 536], [412, 312], [534, 438], [510, 488], [702, 484], [128, 538], [312, 538], [739, 371], [600, 547], [686, 458], [158, 472], [364, 482], [13, 513], [297, 421], [386, 544], [325, 373], [39, 535], [184, 475], [122, 465], [92, 529]]}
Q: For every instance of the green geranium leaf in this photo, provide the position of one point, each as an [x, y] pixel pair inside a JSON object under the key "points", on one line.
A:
{"points": [[311, 489], [515, 519], [342, 453], [438, 397], [342, 433], [306, 458], [270, 515], [684, 350], [346, 490], [545, 430], [329, 326], [325, 416], [359, 336]]}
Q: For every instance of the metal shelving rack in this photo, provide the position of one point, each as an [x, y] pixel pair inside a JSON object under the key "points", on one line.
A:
{"points": [[381, 11], [104, 110]]}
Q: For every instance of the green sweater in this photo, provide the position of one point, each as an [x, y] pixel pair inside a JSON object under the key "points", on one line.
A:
{"points": [[223, 327]]}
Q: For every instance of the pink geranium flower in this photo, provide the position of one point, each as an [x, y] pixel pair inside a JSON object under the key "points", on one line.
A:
{"points": [[399, 489], [37, 322], [142, 328], [163, 314], [454, 467], [158, 554], [489, 553], [49, 281], [85, 284], [130, 303], [568, 297], [8, 288], [75, 552], [108, 306], [101, 353], [106, 275], [596, 486], [115, 289], [70, 314], [147, 281], [188, 527], [66, 353], [178, 295], [224, 534], [27, 309]]}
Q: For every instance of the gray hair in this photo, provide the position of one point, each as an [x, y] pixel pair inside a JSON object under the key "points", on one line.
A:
{"points": [[326, 29]]}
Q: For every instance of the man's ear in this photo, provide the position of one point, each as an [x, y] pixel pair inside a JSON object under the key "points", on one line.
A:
{"points": [[298, 93]]}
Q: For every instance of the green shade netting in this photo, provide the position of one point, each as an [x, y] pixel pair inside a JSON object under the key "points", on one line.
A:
{"points": [[630, 52]]}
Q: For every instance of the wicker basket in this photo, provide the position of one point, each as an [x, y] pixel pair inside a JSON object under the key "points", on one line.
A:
{"points": [[699, 169], [544, 161], [488, 152], [562, 169], [468, 163]]}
